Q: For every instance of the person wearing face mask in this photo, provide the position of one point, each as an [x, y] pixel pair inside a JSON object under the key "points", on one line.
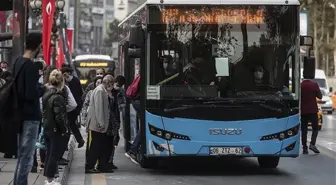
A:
{"points": [[259, 75], [84, 113], [98, 122], [4, 66], [26, 82], [117, 104], [91, 86], [167, 63], [77, 92]]}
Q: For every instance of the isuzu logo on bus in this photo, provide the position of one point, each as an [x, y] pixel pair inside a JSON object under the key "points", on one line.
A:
{"points": [[225, 131]]}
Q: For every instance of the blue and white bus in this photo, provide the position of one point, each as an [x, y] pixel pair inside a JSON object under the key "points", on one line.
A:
{"points": [[214, 78]]}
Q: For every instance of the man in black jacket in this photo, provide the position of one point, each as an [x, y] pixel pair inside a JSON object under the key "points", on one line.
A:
{"points": [[28, 96], [77, 91]]}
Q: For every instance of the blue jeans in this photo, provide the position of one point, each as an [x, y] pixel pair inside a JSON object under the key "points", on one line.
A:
{"points": [[26, 148], [136, 143]]}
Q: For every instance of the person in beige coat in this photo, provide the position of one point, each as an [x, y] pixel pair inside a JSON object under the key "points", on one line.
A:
{"points": [[97, 123]]}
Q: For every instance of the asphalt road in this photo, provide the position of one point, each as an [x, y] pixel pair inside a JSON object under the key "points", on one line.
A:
{"points": [[305, 170]]}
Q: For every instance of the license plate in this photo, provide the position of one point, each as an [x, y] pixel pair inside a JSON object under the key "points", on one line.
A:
{"points": [[226, 150]]}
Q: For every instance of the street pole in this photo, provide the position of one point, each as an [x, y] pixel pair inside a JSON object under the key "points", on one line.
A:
{"points": [[53, 42], [19, 29]]}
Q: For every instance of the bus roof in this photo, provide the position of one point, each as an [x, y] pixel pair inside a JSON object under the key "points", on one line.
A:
{"points": [[94, 57], [213, 2]]}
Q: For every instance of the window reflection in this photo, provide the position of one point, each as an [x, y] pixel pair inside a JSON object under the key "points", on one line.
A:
{"points": [[258, 54]]}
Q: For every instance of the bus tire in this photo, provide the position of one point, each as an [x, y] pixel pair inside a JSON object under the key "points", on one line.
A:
{"points": [[268, 161], [147, 163]]}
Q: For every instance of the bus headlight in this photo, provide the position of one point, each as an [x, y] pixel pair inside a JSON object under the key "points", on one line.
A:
{"points": [[282, 135], [164, 134]]}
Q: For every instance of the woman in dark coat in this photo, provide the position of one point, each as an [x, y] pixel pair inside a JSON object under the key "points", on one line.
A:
{"points": [[9, 147]]}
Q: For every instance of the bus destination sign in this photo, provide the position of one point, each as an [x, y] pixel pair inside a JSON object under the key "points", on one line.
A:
{"points": [[93, 64], [212, 16]]}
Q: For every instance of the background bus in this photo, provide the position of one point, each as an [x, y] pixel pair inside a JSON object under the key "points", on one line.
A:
{"points": [[86, 66]]}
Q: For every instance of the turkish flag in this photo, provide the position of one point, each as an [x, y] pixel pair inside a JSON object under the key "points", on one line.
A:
{"points": [[60, 57], [48, 10], [69, 32]]}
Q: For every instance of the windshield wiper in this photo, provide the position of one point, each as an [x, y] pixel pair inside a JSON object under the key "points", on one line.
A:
{"points": [[184, 107], [269, 86], [279, 110]]}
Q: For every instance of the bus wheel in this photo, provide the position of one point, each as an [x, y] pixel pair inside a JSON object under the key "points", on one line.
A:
{"points": [[148, 163], [268, 161]]}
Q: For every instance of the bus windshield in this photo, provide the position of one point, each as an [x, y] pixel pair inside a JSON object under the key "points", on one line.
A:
{"points": [[247, 48]]}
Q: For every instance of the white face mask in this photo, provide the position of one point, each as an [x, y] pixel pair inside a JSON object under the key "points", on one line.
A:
{"points": [[258, 75], [100, 75], [4, 69], [165, 65], [69, 78], [109, 88], [137, 72], [116, 87]]}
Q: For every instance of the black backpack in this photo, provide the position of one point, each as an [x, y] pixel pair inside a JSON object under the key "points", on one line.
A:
{"points": [[10, 112]]}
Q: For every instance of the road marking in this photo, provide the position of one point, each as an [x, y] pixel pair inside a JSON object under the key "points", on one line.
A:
{"points": [[98, 179]]}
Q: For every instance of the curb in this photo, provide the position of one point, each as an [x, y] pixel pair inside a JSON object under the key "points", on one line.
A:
{"points": [[66, 171]]}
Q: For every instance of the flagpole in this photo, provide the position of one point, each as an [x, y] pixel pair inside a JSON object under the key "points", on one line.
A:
{"points": [[54, 37]]}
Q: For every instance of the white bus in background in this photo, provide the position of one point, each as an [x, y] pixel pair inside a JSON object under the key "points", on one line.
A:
{"points": [[86, 66]]}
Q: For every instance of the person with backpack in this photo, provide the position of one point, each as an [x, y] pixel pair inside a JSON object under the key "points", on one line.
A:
{"points": [[25, 83], [70, 106], [55, 124], [10, 149]]}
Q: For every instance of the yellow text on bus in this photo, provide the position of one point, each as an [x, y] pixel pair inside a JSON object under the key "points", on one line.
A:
{"points": [[93, 64]]}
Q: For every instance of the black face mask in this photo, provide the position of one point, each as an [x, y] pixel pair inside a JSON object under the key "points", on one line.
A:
{"points": [[37, 53]]}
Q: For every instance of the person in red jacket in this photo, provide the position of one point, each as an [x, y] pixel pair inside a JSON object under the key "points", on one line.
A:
{"points": [[309, 92]]}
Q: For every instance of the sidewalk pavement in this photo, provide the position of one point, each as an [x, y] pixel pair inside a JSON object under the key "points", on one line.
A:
{"points": [[7, 167]]}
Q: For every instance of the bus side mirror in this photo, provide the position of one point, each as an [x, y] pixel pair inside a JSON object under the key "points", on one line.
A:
{"points": [[136, 40], [306, 41], [308, 67]]}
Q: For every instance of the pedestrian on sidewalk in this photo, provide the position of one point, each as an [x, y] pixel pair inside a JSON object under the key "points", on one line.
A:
{"points": [[84, 113], [98, 117], [26, 83], [309, 92], [117, 111], [39, 65], [55, 124], [71, 105], [77, 91]]}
